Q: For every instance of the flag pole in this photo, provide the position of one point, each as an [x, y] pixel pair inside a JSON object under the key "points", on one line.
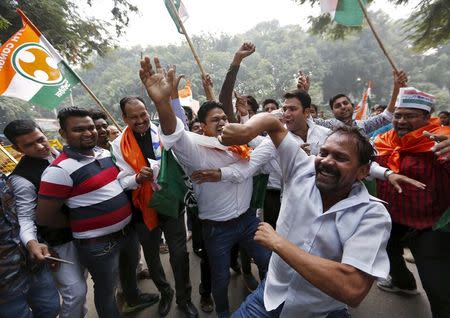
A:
{"points": [[142, 85], [377, 37], [197, 59], [99, 103]]}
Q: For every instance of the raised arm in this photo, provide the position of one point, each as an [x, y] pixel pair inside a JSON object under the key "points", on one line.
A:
{"points": [[159, 85], [239, 134], [400, 80], [303, 81], [207, 86], [179, 111], [226, 93]]}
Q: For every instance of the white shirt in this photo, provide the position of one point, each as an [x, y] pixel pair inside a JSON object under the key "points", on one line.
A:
{"points": [[354, 231], [218, 201]]}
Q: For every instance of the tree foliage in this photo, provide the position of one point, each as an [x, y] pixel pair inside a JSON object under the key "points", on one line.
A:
{"points": [[427, 27], [341, 66], [59, 20]]}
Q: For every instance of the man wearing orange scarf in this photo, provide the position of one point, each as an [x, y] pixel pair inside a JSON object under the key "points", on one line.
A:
{"points": [[406, 150], [132, 149]]}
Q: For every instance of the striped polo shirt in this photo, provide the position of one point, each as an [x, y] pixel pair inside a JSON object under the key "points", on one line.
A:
{"points": [[88, 185]]}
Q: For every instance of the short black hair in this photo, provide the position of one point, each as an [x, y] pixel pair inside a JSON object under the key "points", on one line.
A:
{"points": [[315, 107], [189, 113], [129, 99], [442, 112], [19, 127], [206, 108], [252, 102], [366, 152], [192, 122], [73, 111], [98, 114], [333, 99], [270, 101], [301, 95]]}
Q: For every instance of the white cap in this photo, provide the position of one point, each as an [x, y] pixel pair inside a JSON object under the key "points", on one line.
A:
{"points": [[409, 97]]}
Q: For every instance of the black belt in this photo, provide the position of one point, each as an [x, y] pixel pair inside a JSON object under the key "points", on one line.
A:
{"points": [[106, 238], [231, 221]]}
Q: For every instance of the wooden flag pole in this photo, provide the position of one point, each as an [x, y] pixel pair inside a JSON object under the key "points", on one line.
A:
{"points": [[197, 59], [142, 85], [361, 4], [99, 103]]}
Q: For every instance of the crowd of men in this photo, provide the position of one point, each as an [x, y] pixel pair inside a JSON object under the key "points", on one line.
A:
{"points": [[319, 244]]}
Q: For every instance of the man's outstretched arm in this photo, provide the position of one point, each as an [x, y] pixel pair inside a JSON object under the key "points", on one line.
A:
{"points": [[159, 84], [237, 134]]}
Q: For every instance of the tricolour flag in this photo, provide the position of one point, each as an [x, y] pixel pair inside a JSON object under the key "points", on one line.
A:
{"points": [[185, 94], [345, 12], [181, 12], [32, 70], [362, 109]]}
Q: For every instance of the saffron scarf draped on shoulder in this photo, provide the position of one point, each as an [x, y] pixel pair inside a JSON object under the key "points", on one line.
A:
{"points": [[143, 194], [390, 144]]}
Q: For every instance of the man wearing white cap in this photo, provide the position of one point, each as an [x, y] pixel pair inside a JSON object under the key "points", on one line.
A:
{"points": [[415, 212]]}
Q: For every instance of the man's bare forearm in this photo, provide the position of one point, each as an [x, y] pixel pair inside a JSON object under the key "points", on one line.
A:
{"points": [[340, 281], [167, 118]]}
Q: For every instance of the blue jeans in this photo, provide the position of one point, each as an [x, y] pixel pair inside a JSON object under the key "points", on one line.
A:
{"points": [[219, 238], [253, 307], [102, 261], [42, 297]]}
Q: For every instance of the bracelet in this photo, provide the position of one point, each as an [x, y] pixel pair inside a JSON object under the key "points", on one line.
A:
{"points": [[387, 173]]}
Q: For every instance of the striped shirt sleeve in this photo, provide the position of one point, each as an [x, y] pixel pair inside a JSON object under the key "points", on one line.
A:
{"points": [[56, 183]]}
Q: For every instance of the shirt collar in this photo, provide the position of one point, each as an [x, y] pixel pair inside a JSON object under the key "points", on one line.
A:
{"points": [[78, 156]]}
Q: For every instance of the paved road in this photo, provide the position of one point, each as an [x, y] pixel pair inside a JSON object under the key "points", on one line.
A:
{"points": [[378, 304]]}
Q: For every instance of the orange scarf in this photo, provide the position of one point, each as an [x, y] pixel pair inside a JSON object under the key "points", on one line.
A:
{"points": [[142, 195], [390, 144], [242, 151]]}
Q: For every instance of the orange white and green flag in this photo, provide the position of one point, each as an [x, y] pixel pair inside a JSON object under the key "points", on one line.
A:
{"points": [[32, 70], [361, 111], [345, 12]]}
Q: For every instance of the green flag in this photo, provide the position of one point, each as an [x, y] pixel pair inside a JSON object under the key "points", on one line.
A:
{"points": [[181, 12], [443, 224], [349, 13], [176, 188], [259, 191]]}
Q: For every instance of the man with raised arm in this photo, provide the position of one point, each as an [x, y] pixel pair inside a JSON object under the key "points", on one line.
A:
{"points": [[343, 109], [224, 208], [226, 92], [327, 253]]}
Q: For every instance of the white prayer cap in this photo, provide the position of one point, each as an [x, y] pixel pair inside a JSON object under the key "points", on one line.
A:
{"points": [[409, 97]]}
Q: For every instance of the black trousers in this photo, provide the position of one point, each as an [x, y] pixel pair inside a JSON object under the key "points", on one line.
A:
{"points": [[175, 234], [198, 244], [272, 204], [431, 251]]}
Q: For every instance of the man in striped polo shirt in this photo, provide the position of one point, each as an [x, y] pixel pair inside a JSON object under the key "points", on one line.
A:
{"points": [[84, 178]]}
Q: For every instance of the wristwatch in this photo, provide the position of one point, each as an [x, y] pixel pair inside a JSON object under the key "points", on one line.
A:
{"points": [[387, 173]]}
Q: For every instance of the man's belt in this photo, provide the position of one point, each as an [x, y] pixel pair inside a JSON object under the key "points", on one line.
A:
{"points": [[106, 238]]}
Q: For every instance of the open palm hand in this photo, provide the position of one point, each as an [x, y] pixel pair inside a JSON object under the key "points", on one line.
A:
{"points": [[157, 81]]}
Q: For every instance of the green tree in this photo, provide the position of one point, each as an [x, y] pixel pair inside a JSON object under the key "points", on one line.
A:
{"points": [[72, 35], [427, 27]]}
